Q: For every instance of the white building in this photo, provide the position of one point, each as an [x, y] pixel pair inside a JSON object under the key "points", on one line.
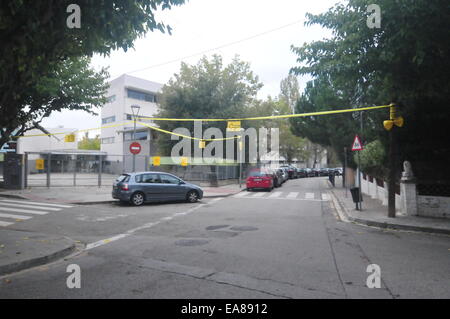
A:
{"points": [[36, 141], [124, 92]]}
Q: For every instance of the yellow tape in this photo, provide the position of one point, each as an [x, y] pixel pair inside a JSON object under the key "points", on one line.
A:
{"points": [[186, 136], [217, 120], [269, 117]]}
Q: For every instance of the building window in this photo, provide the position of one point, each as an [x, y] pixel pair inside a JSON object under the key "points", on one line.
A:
{"points": [[107, 120], [111, 98], [108, 140], [148, 97], [140, 136]]}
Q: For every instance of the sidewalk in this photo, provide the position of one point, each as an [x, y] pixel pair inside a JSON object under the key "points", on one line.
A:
{"points": [[21, 250], [375, 214], [95, 195]]}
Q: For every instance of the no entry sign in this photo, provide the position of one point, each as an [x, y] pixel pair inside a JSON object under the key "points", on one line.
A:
{"points": [[135, 148]]}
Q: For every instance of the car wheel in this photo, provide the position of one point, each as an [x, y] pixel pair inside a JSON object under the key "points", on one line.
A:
{"points": [[137, 199], [192, 197]]}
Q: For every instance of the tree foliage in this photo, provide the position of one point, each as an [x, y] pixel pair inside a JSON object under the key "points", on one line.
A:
{"points": [[373, 157], [43, 66], [405, 61], [87, 143], [208, 89]]}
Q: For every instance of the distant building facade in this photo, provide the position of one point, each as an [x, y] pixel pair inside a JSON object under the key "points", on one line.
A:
{"points": [[116, 138]]}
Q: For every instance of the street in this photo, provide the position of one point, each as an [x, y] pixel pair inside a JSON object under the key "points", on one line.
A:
{"points": [[287, 243]]}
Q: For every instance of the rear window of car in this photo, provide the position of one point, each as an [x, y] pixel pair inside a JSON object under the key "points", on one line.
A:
{"points": [[258, 173], [123, 178]]}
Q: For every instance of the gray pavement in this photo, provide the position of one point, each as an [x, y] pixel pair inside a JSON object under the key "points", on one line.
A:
{"points": [[95, 194], [286, 243], [22, 250], [373, 213]]}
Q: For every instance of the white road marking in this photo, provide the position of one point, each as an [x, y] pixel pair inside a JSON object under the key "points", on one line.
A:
{"points": [[26, 211], [145, 226], [275, 195], [31, 206], [325, 197], [15, 216], [37, 203], [4, 224], [309, 195], [258, 195], [292, 195], [240, 194]]}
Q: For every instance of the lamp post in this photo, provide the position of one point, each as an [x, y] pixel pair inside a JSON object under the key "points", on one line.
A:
{"points": [[135, 109]]}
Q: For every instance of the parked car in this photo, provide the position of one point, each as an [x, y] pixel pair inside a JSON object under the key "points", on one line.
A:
{"points": [[301, 172], [138, 188], [277, 177], [292, 173], [310, 172], [282, 173], [286, 173], [323, 171], [260, 178]]}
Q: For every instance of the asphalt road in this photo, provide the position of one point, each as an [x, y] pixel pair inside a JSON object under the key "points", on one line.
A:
{"points": [[284, 244]]}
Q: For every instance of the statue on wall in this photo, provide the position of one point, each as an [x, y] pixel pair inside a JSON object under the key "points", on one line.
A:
{"points": [[407, 174]]}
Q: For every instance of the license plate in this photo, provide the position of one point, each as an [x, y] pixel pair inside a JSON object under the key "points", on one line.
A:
{"points": [[257, 180]]}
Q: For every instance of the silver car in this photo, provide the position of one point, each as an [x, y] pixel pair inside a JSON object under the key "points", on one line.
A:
{"points": [[138, 188]]}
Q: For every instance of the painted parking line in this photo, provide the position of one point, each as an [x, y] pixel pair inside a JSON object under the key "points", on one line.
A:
{"points": [[241, 194], [15, 216], [4, 224], [292, 195], [30, 206], [309, 196], [26, 211], [275, 195], [35, 203], [258, 195]]}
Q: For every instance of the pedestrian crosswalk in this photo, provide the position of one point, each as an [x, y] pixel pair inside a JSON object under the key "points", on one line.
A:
{"points": [[12, 211], [284, 195]]}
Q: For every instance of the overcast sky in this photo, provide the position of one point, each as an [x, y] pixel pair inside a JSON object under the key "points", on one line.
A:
{"points": [[202, 25]]}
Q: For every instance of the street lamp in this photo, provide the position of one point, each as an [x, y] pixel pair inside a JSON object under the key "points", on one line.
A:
{"points": [[135, 110]]}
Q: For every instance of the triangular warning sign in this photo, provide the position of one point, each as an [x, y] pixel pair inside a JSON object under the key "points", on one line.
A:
{"points": [[357, 146]]}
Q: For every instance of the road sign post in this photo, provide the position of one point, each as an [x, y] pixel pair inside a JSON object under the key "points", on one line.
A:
{"points": [[135, 148], [357, 146]]}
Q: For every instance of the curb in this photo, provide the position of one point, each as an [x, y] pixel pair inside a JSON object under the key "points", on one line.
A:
{"points": [[38, 261], [115, 201], [387, 225]]}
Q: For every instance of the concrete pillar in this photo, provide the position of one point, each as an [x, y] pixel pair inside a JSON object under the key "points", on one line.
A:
{"points": [[408, 197]]}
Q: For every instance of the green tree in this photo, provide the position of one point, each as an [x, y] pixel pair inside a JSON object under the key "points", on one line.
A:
{"points": [[87, 143], [372, 158], [43, 66], [208, 89], [290, 91], [405, 61], [335, 131]]}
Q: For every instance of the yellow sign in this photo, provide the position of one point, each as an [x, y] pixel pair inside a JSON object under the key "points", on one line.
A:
{"points": [[156, 161], [39, 164], [234, 126], [184, 161], [201, 144], [69, 138]]}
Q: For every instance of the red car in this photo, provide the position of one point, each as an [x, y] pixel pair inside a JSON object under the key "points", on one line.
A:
{"points": [[260, 178]]}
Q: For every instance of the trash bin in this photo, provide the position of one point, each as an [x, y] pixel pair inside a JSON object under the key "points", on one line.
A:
{"points": [[355, 194]]}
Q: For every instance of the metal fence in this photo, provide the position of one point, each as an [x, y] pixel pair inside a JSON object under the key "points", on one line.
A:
{"points": [[95, 169]]}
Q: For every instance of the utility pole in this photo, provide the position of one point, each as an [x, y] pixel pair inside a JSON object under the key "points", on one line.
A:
{"points": [[133, 107], [390, 125], [359, 163]]}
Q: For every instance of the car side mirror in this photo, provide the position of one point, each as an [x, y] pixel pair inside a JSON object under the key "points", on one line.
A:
{"points": [[181, 183]]}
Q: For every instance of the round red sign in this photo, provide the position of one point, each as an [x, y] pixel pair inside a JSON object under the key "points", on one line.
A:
{"points": [[135, 148]]}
